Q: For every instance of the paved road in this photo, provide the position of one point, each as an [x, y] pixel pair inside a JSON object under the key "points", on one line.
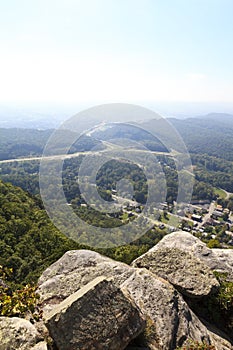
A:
{"points": [[208, 215], [109, 147]]}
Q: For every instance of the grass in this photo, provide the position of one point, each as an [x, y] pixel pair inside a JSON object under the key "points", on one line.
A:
{"points": [[222, 194], [124, 216]]}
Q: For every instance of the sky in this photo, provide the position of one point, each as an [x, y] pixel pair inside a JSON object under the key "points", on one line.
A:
{"points": [[90, 52]]}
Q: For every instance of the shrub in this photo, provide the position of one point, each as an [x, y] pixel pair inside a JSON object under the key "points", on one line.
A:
{"points": [[195, 345], [225, 293], [21, 302]]}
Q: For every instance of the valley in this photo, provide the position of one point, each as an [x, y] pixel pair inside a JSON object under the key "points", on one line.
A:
{"points": [[137, 180]]}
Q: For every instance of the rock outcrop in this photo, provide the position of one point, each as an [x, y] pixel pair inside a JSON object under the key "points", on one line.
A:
{"points": [[184, 271], [217, 259], [19, 334], [75, 269], [169, 317], [98, 316], [150, 305]]}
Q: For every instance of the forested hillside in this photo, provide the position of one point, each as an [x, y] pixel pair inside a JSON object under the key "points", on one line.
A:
{"points": [[211, 134], [18, 143], [29, 242]]}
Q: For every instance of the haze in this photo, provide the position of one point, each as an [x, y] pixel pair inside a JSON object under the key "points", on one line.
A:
{"points": [[172, 56]]}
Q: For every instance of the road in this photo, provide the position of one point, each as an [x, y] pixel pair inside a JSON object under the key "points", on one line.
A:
{"points": [[208, 215], [109, 147], [28, 159], [228, 194]]}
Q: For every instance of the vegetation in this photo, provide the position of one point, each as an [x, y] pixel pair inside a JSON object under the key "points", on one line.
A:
{"points": [[29, 242], [218, 308], [195, 345], [220, 193], [18, 143], [20, 302], [224, 298], [211, 135]]}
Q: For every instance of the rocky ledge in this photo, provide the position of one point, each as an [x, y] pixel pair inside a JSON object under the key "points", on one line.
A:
{"points": [[92, 302]]}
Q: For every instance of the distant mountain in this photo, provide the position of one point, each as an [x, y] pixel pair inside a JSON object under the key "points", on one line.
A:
{"points": [[211, 134], [213, 121], [220, 117]]}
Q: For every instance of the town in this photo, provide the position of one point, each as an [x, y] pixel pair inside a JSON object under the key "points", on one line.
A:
{"points": [[208, 220]]}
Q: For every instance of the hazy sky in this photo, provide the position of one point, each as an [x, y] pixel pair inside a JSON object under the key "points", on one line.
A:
{"points": [[66, 51]]}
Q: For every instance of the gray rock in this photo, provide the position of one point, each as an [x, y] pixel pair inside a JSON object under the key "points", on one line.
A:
{"points": [[224, 259], [98, 316], [40, 346], [170, 322], [19, 334], [184, 271], [75, 269], [217, 259]]}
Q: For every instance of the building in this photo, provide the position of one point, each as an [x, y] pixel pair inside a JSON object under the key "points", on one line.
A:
{"points": [[196, 217]]}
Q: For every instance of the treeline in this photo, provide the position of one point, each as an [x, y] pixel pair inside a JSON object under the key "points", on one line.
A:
{"points": [[18, 143]]}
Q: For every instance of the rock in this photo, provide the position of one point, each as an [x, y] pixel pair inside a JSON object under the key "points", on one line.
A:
{"points": [[224, 259], [40, 346], [184, 271], [170, 321], [217, 259], [19, 334], [75, 269], [98, 316]]}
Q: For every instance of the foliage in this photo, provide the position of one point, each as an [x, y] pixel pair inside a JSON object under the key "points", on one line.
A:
{"points": [[213, 171], [148, 336], [213, 243], [5, 273], [19, 303], [195, 345], [225, 293], [18, 143], [29, 242], [211, 135]]}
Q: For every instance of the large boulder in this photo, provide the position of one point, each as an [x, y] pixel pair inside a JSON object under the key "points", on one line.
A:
{"points": [[217, 259], [170, 321], [98, 316], [19, 334], [75, 269], [188, 274]]}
